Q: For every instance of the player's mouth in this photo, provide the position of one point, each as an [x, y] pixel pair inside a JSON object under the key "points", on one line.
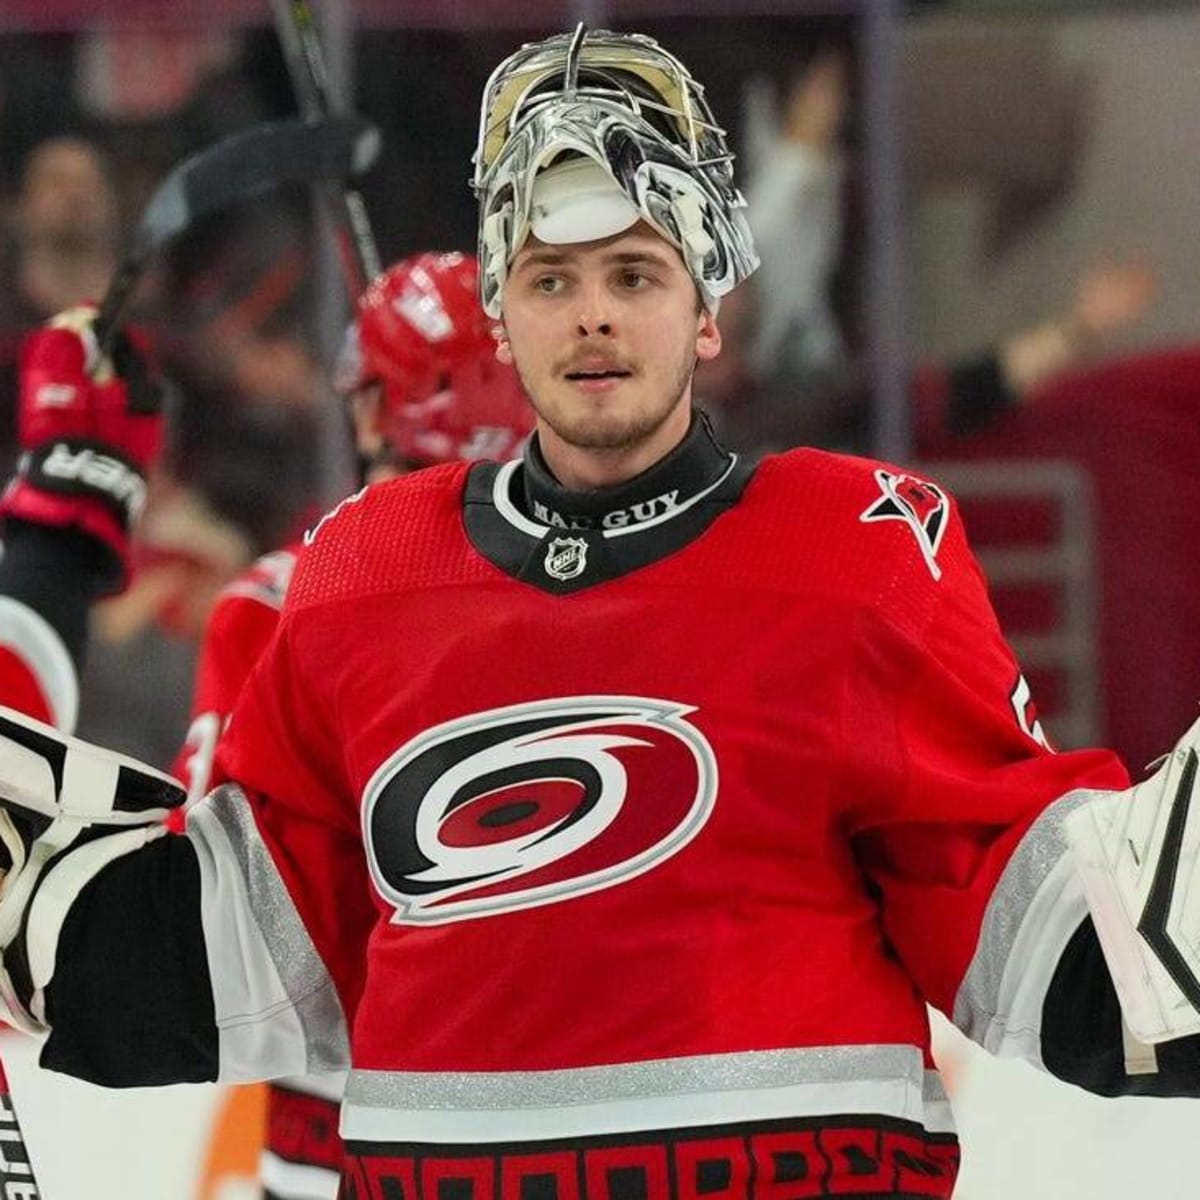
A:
{"points": [[597, 375]]}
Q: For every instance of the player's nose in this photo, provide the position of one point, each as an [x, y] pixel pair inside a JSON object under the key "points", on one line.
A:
{"points": [[595, 317]]}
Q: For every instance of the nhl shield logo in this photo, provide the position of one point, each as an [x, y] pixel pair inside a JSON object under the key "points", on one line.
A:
{"points": [[566, 558]]}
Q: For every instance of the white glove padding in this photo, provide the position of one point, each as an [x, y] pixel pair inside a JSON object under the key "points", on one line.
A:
{"points": [[67, 809], [1138, 855]]}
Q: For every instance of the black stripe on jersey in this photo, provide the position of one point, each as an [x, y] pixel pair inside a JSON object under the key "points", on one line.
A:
{"points": [[871, 1156]]}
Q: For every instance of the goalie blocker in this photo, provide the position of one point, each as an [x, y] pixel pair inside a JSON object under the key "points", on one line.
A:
{"points": [[1138, 854], [68, 810]]}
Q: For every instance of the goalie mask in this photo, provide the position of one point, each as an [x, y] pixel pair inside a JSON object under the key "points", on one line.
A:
{"points": [[649, 146], [421, 335]]}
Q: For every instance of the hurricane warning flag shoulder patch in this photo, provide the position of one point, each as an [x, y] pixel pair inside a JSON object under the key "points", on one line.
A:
{"points": [[921, 505]]}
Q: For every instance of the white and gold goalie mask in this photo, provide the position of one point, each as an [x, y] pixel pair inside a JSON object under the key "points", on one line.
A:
{"points": [[624, 103]]}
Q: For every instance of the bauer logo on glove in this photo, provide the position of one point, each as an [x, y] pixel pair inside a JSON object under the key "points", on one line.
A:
{"points": [[81, 470], [90, 428]]}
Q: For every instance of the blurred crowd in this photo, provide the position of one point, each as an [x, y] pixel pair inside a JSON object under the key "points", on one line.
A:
{"points": [[228, 309], [231, 308]]}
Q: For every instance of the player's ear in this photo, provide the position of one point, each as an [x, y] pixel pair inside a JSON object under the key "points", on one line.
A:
{"points": [[503, 349], [708, 336]]}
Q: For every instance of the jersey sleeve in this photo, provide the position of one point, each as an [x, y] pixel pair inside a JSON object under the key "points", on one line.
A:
{"points": [[234, 952], [283, 876], [236, 948], [956, 801]]}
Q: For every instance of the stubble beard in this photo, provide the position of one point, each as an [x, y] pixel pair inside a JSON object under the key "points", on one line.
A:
{"points": [[610, 432]]}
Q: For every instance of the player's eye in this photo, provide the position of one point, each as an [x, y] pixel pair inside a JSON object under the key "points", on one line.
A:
{"points": [[549, 284]]}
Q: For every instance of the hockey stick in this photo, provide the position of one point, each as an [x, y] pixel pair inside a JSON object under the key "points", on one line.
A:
{"points": [[16, 1168], [236, 168], [301, 42]]}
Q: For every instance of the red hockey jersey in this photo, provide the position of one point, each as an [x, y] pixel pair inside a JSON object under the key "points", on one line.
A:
{"points": [[619, 852], [238, 630]]}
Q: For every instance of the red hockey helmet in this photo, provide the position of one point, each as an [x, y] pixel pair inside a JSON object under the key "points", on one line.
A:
{"points": [[422, 335]]}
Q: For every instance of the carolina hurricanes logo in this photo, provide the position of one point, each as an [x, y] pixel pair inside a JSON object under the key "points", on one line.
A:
{"points": [[535, 803], [921, 505]]}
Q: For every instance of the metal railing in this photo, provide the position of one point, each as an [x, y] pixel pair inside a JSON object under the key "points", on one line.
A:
{"points": [[1064, 561]]}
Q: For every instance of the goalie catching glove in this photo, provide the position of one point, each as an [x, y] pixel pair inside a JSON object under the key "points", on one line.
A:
{"points": [[90, 427], [1138, 855], [67, 810]]}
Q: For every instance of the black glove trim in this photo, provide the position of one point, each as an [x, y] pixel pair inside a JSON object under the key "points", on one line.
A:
{"points": [[87, 469]]}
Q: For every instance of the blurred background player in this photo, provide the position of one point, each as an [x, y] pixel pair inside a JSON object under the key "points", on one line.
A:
{"points": [[422, 385], [89, 429], [421, 382]]}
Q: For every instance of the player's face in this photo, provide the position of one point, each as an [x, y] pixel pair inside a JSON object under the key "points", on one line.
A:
{"points": [[366, 411], [605, 336]]}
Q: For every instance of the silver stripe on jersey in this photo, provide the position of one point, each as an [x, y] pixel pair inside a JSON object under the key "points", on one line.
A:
{"points": [[36, 643], [1034, 912], [277, 1009], [472, 1107]]}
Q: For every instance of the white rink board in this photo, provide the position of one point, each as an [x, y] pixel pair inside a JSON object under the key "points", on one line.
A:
{"points": [[90, 1143], [1028, 1137], [1024, 1135]]}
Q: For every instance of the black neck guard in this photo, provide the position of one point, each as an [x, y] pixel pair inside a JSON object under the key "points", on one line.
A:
{"points": [[672, 483], [525, 522]]}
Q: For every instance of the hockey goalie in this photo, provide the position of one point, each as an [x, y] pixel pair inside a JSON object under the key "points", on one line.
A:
{"points": [[611, 815]]}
